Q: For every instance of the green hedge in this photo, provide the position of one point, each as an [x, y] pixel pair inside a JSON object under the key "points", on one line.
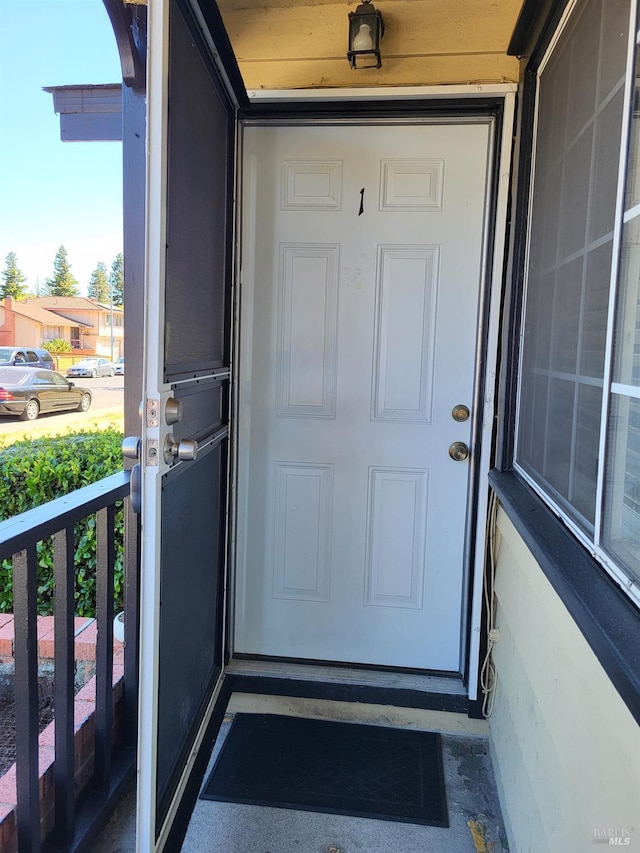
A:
{"points": [[33, 472]]}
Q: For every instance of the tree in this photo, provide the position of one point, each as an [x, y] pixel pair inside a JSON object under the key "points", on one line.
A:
{"points": [[13, 280], [99, 284], [116, 280], [63, 282]]}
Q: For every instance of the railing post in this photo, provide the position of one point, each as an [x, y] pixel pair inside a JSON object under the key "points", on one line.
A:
{"points": [[105, 543], [74, 821], [64, 633], [25, 610], [131, 620]]}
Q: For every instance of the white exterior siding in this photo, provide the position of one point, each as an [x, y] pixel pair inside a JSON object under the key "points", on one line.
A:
{"points": [[565, 747]]}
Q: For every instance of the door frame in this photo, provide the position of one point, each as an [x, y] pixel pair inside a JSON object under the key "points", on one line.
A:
{"points": [[351, 105], [495, 105]]}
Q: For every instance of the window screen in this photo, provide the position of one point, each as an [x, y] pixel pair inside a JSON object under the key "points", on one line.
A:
{"points": [[621, 530], [581, 103]]}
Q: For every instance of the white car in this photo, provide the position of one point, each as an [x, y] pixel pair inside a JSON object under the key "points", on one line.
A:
{"points": [[118, 366], [92, 367]]}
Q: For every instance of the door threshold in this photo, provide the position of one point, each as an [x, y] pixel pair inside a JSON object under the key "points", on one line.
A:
{"points": [[347, 684]]}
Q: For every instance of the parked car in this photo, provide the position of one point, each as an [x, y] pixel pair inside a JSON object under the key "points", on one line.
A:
{"points": [[92, 367], [26, 355], [118, 366], [27, 392]]}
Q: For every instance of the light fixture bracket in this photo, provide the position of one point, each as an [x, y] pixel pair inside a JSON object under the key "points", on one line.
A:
{"points": [[366, 29]]}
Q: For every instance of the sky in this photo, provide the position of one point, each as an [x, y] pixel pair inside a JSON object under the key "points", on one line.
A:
{"points": [[54, 193]]}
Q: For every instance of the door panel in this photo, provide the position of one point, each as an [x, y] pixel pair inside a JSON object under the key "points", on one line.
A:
{"points": [[198, 205], [190, 608], [191, 127], [361, 282]]}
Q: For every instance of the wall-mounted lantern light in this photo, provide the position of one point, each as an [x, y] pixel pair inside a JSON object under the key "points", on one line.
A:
{"points": [[366, 29]]}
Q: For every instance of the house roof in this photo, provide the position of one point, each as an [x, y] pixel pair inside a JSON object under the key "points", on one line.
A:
{"points": [[46, 318], [68, 303], [106, 307], [88, 112], [72, 320]]}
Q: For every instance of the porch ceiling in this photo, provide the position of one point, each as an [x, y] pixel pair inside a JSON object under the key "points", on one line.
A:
{"points": [[290, 44]]}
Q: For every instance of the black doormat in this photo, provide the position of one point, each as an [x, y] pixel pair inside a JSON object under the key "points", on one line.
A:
{"points": [[336, 768]]}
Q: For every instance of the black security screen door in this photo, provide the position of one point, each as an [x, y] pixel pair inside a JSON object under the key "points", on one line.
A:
{"points": [[191, 144]]}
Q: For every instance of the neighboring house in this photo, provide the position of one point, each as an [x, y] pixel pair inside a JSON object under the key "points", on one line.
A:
{"points": [[27, 324], [90, 322], [396, 311]]}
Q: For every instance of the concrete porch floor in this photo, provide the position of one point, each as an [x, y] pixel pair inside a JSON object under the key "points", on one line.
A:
{"points": [[474, 812]]}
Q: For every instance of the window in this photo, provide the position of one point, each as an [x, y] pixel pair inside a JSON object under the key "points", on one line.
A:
{"points": [[621, 529], [43, 379], [578, 436]]}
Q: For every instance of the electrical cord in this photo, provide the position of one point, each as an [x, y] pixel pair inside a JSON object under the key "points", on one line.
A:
{"points": [[488, 674]]}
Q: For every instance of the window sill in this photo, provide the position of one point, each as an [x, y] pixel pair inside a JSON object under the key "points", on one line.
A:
{"points": [[607, 618]]}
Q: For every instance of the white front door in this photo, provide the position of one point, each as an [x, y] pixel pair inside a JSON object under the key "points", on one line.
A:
{"points": [[361, 272]]}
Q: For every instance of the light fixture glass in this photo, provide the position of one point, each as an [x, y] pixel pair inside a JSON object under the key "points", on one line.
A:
{"points": [[366, 29]]}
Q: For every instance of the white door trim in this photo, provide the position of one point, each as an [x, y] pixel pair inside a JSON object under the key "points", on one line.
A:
{"points": [[156, 389], [486, 383], [493, 289], [155, 238], [401, 93]]}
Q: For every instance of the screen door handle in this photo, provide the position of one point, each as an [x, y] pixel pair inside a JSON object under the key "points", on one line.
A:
{"points": [[135, 488], [185, 450]]}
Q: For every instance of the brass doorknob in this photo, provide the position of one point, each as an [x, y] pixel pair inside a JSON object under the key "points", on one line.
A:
{"points": [[458, 451]]}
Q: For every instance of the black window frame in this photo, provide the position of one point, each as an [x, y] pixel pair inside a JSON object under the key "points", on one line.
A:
{"points": [[608, 619]]}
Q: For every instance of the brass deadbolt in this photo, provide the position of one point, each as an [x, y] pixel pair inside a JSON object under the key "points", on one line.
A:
{"points": [[460, 413]]}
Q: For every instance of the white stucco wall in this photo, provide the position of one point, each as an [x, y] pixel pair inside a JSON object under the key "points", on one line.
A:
{"points": [[565, 747]]}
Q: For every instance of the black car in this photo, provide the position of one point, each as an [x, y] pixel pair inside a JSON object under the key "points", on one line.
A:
{"points": [[28, 391]]}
